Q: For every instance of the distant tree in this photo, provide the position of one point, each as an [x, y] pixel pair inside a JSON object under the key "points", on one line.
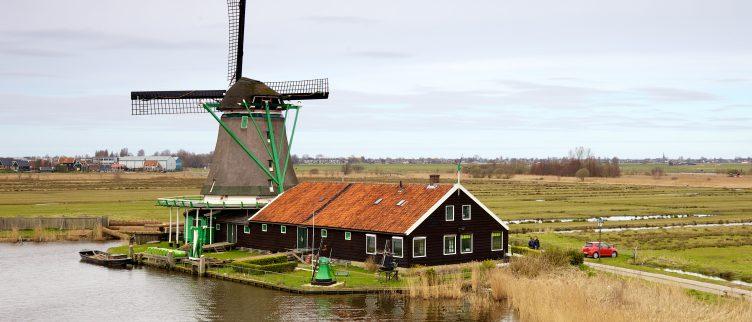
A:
{"points": [[580, 153], [141, 152], [657, 172], [124, 152], [165, 153], [101, 153], [582, 174], [313, 171]]}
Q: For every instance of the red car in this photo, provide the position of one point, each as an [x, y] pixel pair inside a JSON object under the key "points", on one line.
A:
{"points": [[599, 249]]}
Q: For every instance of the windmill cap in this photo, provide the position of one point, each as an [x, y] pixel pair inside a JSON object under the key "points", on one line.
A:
{"points": [[245, 89]]}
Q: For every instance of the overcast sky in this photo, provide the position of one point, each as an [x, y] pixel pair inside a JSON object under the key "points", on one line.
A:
{"points": [[408, 78]]}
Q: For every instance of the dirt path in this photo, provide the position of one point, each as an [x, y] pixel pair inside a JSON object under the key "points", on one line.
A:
{"points": [[665, 279]]}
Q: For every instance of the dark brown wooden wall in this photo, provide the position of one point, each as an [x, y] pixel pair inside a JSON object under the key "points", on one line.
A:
{"points": [[435, 227]]}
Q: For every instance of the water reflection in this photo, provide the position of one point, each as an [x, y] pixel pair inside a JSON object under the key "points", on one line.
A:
{"points": [[47, 282]]}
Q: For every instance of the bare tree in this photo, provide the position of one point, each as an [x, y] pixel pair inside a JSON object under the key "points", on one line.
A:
{"points": [[580, 153], [141, 152], [124, 152]]}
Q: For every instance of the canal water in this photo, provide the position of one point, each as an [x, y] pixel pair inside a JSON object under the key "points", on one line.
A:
{"points": [[46, 281]]}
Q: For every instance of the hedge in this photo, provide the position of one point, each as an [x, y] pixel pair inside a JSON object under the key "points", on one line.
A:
{"points": [[260, 269], [164, 251], [277, 259]]}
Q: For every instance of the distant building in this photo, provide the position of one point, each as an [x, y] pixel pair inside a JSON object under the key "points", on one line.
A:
{"points": [[150, 163], [6, 163], [21, 165]]}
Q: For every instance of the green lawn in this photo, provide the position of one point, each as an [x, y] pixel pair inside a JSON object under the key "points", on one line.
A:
{"points": [[358, 277]]}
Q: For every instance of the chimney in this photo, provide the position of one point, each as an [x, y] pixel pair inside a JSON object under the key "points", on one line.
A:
{"points": [[400, 186], [433, 179]]}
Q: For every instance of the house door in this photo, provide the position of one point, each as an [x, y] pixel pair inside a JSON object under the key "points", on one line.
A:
{"points": [[232, 233], [302, 238]]}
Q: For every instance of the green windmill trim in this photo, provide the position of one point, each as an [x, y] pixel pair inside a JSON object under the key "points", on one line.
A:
{"points": [[235, 138]]}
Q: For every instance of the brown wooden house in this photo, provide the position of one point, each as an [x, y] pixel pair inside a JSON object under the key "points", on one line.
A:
{"points": [[422, 224]]}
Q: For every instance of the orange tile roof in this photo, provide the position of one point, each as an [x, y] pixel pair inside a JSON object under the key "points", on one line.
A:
{"points": [[66, 160], [355, 208], [151, 163], [296, 205]]}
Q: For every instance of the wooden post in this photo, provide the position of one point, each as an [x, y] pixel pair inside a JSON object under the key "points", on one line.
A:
{"points": [[170, 260], [169, 229], [130, 251], [211, 227], [177, 227], [201, 266]]}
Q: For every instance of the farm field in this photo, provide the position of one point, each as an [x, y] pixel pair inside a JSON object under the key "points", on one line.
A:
{"points": [[718, 252]]}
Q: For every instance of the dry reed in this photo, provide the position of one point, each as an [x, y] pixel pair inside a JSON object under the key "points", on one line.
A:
{"points": [[571, 295]]}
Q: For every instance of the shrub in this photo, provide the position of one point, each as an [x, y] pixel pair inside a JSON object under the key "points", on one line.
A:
{"points": [[488, 264], [576, 258], [276, 259], [582, 174], [370, 264]]}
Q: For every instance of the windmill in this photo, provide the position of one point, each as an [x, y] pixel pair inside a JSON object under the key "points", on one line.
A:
{"points": [[251, 162]]}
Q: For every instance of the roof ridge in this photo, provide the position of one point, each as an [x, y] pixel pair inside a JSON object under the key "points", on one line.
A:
{"points": [[329, 201]]}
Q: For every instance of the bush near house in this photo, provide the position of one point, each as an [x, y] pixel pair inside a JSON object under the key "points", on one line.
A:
{"points": [[277, 264]]}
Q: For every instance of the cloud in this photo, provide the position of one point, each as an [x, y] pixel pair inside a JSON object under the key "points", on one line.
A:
{"points": [[38, 41], [667, 94], [377, 54], [333, 19]]}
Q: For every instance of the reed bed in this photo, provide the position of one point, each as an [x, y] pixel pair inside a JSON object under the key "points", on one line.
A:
{"points": [[546, 287]]}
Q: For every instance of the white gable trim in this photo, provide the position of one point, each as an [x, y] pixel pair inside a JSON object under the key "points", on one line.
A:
{"points": [[431, 210], [493, 215], [444, 198], [264, 207]]}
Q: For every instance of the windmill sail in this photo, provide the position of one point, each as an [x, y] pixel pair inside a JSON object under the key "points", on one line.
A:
{"points": [[236, 15]]}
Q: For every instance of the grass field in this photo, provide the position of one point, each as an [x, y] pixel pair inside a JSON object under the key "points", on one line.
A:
{"points": [[724, 252], [643, 168]]}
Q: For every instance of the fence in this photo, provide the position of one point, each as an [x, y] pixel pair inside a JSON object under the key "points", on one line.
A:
{"points": [[8, 223]]}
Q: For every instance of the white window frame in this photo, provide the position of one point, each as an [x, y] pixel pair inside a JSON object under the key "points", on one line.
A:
{"points": [[402, 246], [348, 235], [471, 244], [425, 246], [264, 227], [501, 235], [443, 244], [469, 212], [283, 229], [324, 233], [375, 244], [246, 229], [446, 212], [218, 227]]}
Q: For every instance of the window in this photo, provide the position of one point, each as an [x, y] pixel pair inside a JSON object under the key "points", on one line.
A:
{"points": [[244, 122], [283, 229], [370, 244], [217, 227], [271, 165], [465, 212], [449, 213], [323, 233], [497, 241], [401, 202], [246, 229], [466, 243], [450, 244], [378, 201], [263, 227], [271, 185], [419, 247], [397, 247], [348, 235]]}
